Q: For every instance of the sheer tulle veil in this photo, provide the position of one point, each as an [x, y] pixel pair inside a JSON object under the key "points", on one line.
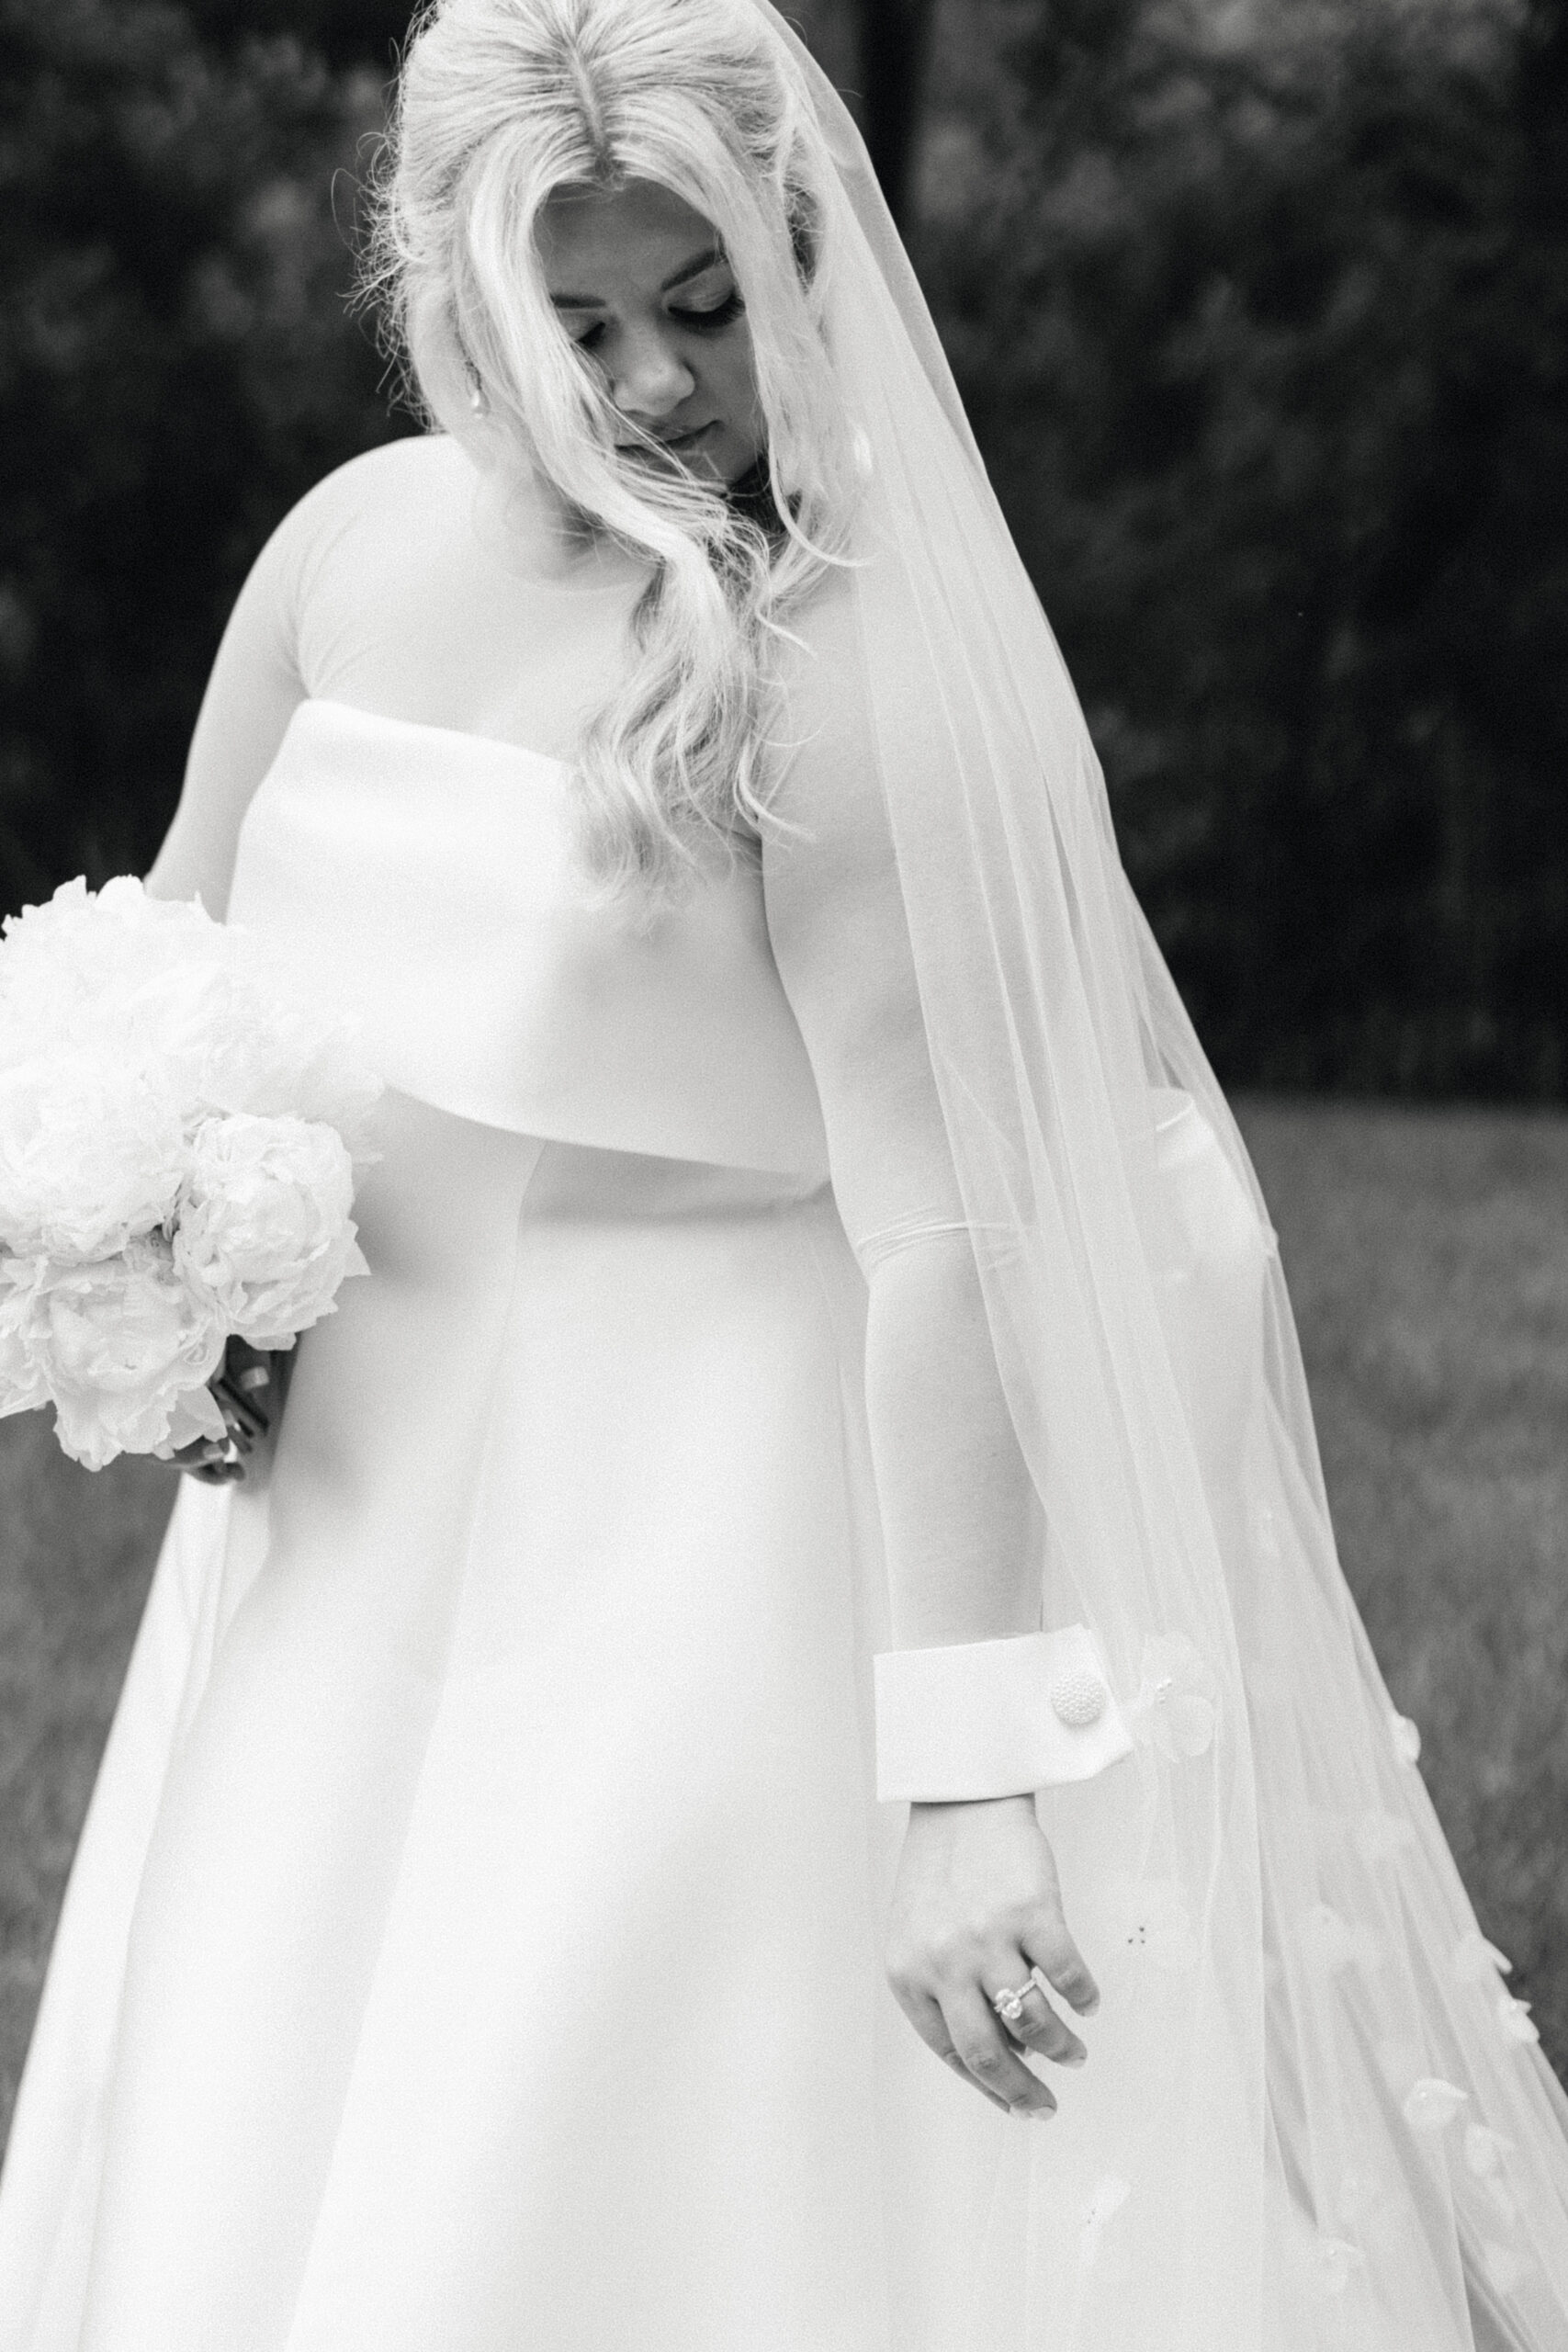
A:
{"points": [[1315, 2115]]}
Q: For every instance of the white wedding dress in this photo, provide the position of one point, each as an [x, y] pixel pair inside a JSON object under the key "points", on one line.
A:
{"points": [[475, 1942], [491, 1791]]}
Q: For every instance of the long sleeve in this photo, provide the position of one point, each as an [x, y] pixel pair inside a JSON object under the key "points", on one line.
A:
{"points": [[962, 1524], [251, 694], [398, 586]]}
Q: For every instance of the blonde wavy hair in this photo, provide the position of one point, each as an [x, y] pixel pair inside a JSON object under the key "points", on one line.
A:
{"points": [[499, 104]]}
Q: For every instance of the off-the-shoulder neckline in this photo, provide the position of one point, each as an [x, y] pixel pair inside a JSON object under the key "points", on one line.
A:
{"points": [[461, 735], [430, 727]]}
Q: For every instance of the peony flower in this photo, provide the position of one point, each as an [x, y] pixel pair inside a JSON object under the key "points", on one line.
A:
{"points": [[264, 1233], [91, 1157], [178, 1136], [277, 1059], [1174, 1710], [24, 1386], [70, 969], [207, 1012], [123, 1343]]}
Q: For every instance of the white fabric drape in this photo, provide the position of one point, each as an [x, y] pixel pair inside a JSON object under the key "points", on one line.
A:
{"points": [[1315, 2064]]}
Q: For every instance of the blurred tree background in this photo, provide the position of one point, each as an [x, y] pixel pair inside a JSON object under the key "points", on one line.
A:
{"points": [[1262, 313], [1260, 307]]}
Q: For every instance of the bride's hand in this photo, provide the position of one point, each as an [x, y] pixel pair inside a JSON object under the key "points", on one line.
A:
{"points": [[248, 1386], [976, 1906]]}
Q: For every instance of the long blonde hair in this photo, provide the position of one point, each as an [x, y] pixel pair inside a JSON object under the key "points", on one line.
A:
{"points": [[500, 103]]}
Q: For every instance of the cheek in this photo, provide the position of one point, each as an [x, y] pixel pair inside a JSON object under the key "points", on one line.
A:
{"points": [[734, 378]]}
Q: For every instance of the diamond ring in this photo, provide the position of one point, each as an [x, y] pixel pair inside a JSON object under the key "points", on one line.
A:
{"points": [[1008, 2005]]}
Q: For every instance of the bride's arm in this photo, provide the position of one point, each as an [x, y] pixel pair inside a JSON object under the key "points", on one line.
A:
{"points": [[964, 1527], [254, 690], [957, 1506], [977, 1899]]}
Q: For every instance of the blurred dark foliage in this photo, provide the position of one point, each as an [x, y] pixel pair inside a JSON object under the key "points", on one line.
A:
{"points": [[892, 66], [1262, 316], [176, 369], [1260, 308]]}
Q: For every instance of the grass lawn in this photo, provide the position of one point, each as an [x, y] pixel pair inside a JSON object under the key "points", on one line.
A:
{"points": [[1427, 1255]]}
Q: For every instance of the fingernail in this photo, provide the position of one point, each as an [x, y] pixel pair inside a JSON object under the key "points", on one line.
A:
{"points": [[1074, 2057], [1035, 2114]]}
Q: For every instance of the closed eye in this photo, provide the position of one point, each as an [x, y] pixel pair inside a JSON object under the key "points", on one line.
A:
{"points": [[707, 321], [717, 314]]}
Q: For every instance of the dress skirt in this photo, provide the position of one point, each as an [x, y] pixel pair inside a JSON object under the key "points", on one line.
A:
{"points": [[475, 1944]]}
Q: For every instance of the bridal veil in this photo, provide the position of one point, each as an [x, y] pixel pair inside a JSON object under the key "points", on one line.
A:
{"points": [[1314, 2114]]}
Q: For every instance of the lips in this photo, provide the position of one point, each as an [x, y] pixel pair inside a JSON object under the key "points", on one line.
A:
{"points": [[667, 440]]}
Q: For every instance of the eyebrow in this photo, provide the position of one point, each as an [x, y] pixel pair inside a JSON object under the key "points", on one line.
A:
{"points": [[705, 260]]}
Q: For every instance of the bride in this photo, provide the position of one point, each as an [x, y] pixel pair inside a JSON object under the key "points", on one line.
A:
{"points": [[818, 1493]]}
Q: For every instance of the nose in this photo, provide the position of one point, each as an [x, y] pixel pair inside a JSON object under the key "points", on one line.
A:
{"points": [[648, 379]]}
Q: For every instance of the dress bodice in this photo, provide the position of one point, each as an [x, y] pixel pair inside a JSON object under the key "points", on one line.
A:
{"points": [[422, 880]]}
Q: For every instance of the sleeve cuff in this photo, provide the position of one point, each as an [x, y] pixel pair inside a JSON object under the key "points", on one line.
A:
{"points": [[994, 1719]]}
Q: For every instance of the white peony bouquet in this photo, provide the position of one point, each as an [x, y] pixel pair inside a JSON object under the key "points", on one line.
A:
{"points": [[179, 1138]]}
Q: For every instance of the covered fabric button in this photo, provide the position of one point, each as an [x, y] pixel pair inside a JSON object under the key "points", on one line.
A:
{"points": [[963, 1720], [1077, 1695]]}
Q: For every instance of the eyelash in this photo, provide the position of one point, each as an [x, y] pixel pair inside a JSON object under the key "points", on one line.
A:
{"points": [[722, 314]]}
